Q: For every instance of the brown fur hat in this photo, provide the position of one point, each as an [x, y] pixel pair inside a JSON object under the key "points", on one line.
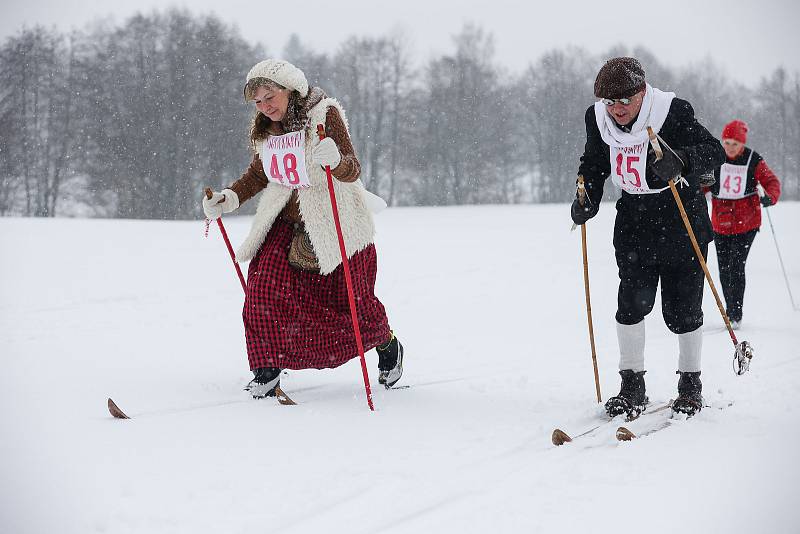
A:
{"points": [[620, 77]]}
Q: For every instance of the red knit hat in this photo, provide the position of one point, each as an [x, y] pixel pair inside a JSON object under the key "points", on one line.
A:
{"points": [[735, 130]]}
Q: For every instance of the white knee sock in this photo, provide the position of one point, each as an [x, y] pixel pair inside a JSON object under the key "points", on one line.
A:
{"points": [[631, 346], [690, 345]]}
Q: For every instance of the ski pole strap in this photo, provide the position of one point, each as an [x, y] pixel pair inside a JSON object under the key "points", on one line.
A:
{"points": [[656, 144]]}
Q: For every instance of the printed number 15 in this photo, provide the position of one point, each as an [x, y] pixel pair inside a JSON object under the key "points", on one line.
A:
{"points": [[630, 170]]}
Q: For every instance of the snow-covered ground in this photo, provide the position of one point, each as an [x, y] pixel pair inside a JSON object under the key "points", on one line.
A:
{"points": [[489, 304]]}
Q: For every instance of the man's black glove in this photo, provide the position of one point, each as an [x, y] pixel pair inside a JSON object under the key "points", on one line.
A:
{"points": [[581, 214], [671, 165], [708, 179], [766, 201]]}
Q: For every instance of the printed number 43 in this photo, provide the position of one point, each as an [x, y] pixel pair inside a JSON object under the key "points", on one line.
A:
{"points": [[289, 169], [737, 188], [630, 160]]}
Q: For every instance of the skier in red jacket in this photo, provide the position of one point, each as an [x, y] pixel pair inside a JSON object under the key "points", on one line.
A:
{"points": [[736, 211]]}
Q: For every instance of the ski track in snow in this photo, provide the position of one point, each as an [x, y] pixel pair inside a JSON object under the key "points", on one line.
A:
{"points": [[489, 304]]}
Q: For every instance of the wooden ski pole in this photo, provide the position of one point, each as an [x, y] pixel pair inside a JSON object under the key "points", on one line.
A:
{"points": [[348, 280], [743, 350], [699, 254], [582, 199]]}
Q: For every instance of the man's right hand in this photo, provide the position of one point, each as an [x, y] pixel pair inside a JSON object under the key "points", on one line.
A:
{"points": [[582, 213]]}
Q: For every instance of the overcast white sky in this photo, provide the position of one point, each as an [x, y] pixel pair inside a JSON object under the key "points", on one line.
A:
{"points": [[748, 39]]}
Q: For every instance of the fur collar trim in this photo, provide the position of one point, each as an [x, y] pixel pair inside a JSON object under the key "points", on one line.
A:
{"points": [[315, 208]]}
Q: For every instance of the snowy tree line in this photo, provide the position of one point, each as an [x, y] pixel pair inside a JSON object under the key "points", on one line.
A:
{"points": [[134, 120]]}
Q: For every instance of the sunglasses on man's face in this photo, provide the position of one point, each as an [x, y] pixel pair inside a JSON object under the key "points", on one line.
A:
{"points": [[611, 101]]}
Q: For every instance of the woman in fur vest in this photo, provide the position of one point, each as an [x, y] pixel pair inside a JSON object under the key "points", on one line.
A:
{"points": [[296, 312], [736, 211]]}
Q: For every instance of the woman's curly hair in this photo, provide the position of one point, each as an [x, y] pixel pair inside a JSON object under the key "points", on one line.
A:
{"points": [[296, 112]]}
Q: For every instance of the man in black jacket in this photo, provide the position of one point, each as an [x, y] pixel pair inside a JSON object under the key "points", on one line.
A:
{"points": [[650, 240]]}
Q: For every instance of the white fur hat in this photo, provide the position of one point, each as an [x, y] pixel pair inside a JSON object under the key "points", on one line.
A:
{"points": [[281, 72]]}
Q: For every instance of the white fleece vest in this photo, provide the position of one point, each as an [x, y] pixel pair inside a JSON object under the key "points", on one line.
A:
{"points": [[358, 228]]}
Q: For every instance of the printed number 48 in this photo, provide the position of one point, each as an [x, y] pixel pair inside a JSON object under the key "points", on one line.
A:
{"points": [[629, 169], [289, 169]]}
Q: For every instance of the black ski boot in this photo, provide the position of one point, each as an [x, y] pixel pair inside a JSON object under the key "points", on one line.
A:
{"points": [[390, 362], [631, 399], [690, 394], [267, 379]]}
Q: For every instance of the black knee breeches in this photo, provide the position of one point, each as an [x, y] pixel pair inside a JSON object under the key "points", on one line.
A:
{"points": [[682, 281]]}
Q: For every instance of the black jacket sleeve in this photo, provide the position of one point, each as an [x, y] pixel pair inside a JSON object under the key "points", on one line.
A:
{"points": [[595, 164], [683, 132]]}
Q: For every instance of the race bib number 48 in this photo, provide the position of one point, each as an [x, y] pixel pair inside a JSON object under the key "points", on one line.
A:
{"points": [[284, 160]]}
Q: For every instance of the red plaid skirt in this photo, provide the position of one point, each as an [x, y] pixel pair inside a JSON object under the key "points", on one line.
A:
{"points": [[296, 319]]}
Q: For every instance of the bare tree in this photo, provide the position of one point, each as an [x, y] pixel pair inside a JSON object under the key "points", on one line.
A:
{"points": [[37, 111], [456, 160], [134, 119], [400, 82], [558, 89], [168, 114], [774, 128]]}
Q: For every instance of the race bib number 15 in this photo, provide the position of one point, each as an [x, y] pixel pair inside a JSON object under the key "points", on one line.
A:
{"points": [[284, 160], [628, 168]]}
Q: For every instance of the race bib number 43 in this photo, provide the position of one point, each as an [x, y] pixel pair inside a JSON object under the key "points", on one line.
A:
{"points": [[732, 181], [284, 160]]}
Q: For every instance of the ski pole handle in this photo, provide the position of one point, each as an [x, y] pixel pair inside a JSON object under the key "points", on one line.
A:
{"points": [[210, 193], [761, 193], [581, 192]]}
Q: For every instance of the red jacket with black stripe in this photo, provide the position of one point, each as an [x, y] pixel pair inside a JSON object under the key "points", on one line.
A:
{"points": [[738, 216]]}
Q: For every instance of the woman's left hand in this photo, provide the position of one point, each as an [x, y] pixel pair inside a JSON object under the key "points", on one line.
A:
{"points": [[326, 153]]}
